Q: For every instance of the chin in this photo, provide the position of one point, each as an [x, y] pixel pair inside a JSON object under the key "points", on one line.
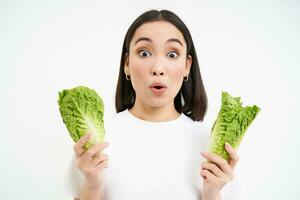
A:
{"points": [[158, 102]]}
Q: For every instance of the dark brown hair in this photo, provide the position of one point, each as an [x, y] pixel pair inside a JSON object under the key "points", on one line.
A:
{"points": [[191, 98]]}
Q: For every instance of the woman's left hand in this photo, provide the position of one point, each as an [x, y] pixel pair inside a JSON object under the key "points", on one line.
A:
{"points": [[217, 172]]}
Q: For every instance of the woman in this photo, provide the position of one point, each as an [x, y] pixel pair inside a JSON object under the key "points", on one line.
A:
{"points": [[156, 137]]}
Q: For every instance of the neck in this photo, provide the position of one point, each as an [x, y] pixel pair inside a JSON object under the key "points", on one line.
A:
{"points": [[154, 113]]}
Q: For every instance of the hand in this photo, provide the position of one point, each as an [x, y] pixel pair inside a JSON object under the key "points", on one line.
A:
{"points": [[91, 162], [217, 172]]}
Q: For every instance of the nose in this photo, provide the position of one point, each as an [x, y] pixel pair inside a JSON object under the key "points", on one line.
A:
{"points": [[157, 70], [154, 73]]}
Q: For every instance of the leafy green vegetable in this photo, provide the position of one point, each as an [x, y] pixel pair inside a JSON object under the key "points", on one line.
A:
{"points": [[231, 124], [82, 111]]}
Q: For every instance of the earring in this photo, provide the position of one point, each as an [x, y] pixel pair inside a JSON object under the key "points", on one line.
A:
{"points": [[127, 77], [186, 78]]}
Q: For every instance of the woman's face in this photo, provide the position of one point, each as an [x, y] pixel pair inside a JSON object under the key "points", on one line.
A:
{"points": [[157, 55]]}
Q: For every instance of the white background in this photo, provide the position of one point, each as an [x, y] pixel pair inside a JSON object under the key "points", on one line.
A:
{"points": [[249, 49]]}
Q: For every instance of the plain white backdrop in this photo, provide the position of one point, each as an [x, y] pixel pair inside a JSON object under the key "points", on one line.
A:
{"points": [[250, 49]]}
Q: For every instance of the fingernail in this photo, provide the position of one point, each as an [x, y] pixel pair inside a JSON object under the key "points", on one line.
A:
{"points": [[204, 153], [227, 145]]}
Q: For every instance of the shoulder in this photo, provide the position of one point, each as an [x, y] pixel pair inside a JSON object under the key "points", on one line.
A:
{"points": [[115, 116], [114, 122], [197, 125]]}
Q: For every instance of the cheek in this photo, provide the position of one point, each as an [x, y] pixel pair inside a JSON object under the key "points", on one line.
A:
{"points": [[176, 78], [176, 74], [139, 73]]}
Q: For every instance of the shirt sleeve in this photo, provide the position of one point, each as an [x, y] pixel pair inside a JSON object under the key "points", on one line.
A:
{"points": [[74, 179]]}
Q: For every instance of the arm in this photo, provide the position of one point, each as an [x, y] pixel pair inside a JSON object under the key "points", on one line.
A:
{"points": [[217, 198], [91, 192], [91, 163], [217, 172]]}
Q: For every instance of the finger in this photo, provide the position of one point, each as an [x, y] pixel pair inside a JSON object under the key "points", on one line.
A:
{"points": [[79, 152], [102, 165], [98, 153], [214, 169], [97, 160], [90, 153], [221, 162], [207, 175], [234, 158], [80, 143]]}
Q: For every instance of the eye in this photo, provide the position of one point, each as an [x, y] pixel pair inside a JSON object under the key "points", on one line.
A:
{"points": [[173, 54], [144, 53]]}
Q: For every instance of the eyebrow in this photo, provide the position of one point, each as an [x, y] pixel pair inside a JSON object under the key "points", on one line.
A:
{"points": [[149, 40]]}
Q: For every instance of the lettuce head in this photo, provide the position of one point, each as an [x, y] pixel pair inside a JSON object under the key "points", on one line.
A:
{"points": [[231, 124], [82, 111]]}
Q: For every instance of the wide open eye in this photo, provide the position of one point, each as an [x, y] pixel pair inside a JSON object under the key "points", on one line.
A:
{"points": [[173, 54], [144, 53]]}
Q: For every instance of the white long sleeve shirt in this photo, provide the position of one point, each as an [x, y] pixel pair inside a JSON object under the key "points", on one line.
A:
{"points": [[153, 160]]}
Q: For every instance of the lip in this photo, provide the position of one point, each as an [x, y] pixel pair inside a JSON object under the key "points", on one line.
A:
{"points": [[158, 91], [155, 90], [155, 84]]}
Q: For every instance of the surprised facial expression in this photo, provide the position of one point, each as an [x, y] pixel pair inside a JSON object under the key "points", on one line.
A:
{"points": [[157, 62]]}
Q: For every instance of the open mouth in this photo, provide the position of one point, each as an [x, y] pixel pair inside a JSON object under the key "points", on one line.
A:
{"points": [[158, 87]]}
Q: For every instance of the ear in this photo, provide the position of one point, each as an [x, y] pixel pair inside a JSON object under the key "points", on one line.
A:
{"points": [[189, 62], [126, 63]]}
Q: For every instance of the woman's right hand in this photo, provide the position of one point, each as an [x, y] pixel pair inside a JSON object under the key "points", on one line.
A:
{"points": [[91, 162]]}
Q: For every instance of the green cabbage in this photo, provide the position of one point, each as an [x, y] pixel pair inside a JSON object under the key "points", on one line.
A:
{"points": [[82, 111], [231, 124]]}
